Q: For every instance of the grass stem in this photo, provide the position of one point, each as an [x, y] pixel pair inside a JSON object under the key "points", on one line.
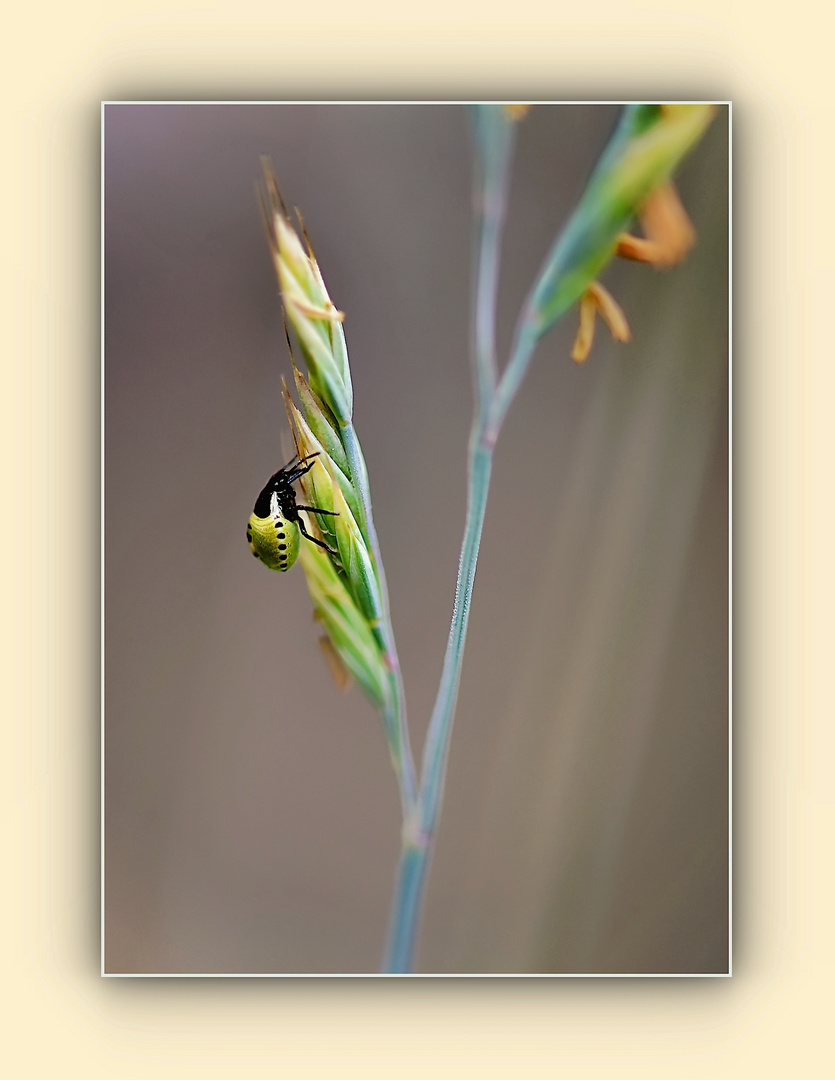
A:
{"points": [[494, 145]]}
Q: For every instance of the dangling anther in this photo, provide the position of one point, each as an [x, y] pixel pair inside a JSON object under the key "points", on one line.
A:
{"points": [[597, 300], [668, 231]]}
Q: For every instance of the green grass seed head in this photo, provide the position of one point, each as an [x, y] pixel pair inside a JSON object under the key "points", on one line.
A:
{"points": [[343, 582]]}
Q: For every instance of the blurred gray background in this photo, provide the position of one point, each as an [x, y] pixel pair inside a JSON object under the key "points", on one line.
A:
{"points": [[251, 818]]}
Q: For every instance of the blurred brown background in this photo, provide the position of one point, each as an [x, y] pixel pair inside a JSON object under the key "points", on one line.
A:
{"points": [[252, 822]]}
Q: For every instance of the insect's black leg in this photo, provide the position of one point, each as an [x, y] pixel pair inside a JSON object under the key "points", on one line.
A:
{"points": [[316, 510], [313, 539]]}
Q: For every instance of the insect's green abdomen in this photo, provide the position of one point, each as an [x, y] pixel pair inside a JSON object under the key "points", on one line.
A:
{"points": [[274, 539]]}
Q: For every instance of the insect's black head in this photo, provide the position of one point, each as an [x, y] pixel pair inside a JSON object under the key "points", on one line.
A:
{"points": [[281, 483]]}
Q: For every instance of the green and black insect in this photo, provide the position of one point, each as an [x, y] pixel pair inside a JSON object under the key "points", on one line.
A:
{"points": [[274, 525]]}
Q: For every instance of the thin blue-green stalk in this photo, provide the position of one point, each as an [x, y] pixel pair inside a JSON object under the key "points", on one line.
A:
{"points": [[436, 750], [420, 832], [408, 900], [494, 136], [494, 146]]}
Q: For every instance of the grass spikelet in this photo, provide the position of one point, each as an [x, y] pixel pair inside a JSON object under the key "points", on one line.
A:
{"points": [[345, 625], [321, 421], [318, 483], [357, 563], [327, 487], [309, 309]]}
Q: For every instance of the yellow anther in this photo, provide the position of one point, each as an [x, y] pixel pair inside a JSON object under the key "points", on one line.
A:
{"points": [[331, 313], [585, 331], [669, 233], [597, 300]]}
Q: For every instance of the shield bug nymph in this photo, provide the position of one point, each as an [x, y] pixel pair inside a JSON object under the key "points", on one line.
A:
{"points": [[275, 528]]}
